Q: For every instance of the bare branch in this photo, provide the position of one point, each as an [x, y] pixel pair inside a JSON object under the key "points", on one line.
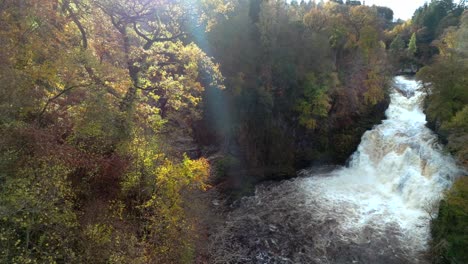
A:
{"points": [[77, 22], [99, 82], [50, 100]]}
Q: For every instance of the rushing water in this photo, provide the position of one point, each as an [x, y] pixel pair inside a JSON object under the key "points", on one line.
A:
{"points": [[376, 210]]}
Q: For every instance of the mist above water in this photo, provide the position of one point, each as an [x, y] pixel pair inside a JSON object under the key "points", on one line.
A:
{"points": [[376, 210]]}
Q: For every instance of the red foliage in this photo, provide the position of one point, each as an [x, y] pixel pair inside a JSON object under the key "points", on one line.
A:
{"points": [[106, 184]]}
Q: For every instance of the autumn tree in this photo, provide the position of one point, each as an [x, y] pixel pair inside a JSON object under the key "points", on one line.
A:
{"points": [[93, 94], [448, 94]]}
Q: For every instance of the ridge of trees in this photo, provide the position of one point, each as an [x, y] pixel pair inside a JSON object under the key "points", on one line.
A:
{"points": [[304, 81], [441, 45], [426, 26]]}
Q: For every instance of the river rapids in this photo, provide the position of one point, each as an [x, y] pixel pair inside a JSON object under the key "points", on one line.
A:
{"points": [[375, 210]]}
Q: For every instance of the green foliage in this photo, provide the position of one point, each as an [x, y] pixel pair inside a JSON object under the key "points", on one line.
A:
{"points": [[430, 16], [459, 122], [430, 21], [38, 223], [447, 110], [449, 93], [412, 47], [397, 44], [448, 100], [224, 165], [449, 228], [315, 102]]}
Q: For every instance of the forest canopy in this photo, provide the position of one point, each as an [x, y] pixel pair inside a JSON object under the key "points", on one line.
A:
{"points": [[116, 114]]}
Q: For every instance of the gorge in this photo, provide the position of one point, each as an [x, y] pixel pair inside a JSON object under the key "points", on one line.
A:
{"points": [[233, 131], [375, 210]]}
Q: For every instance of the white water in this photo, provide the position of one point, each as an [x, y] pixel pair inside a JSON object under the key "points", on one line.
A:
{"points": [[377, 210], [396, 176]]}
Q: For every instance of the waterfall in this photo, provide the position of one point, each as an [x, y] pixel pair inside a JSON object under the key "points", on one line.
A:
{"points": [[376, 210]]}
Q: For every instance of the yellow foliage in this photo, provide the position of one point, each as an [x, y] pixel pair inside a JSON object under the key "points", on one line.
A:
{"points": [[374, 84], [99, 233]]}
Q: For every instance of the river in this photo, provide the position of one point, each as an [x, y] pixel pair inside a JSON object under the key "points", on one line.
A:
{"points": [[375, 210]]}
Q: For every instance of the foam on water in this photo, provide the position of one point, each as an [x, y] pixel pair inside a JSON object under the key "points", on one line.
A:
{"points": [[397, 175], [381, 202]]}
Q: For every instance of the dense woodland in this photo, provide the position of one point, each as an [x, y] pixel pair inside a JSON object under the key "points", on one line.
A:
{"points": [[116, 114], [446, 78]]}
